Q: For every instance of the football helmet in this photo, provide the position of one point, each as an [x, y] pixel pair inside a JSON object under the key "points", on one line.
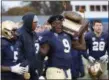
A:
{"points": [[7, 29], [95, 70]]}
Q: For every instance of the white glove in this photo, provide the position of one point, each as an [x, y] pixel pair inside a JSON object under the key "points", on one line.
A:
{"points": [[41, 78], [27, 68], [18, 69], [91, 59], [104, 58]]}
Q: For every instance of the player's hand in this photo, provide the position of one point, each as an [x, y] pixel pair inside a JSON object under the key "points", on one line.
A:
{"points": [[18, 69], [41, 78], [26, 69], [91, 59], [104, 58]]}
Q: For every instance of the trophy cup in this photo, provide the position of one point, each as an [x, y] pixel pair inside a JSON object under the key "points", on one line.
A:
{"points": [[74, 23]]}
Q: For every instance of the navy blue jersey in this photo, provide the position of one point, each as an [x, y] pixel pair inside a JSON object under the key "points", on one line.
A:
{"points": [[60, 49], [77, 68], [77, 57], [9, 58], [97, 45]]}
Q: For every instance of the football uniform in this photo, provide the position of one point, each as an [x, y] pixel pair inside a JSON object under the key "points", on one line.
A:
{"points": [[77, 68], [59, 56], [9, 58], [28, 46], [97, 46]]}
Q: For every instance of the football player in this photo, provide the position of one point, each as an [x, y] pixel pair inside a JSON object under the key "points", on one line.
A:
{"points": [[11, 68], [59, 45], [77, 69], [28, 44], [96, 42]]}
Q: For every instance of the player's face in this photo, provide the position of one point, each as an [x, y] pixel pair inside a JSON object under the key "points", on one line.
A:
{"points": [[34, 25], [98, 27], [14, 33], [57, 26]]}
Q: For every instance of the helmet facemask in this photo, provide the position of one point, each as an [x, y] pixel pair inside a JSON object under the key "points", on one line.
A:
{"points": [[8, 29]]}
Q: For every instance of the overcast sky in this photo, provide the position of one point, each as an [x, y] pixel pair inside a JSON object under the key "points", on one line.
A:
{"points": [[10, 4]]}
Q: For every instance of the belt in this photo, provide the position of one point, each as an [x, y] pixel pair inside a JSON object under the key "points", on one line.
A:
{"points": [[65, 73]]}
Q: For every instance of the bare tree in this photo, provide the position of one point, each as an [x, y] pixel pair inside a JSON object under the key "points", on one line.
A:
{"points": [[51, 7]]}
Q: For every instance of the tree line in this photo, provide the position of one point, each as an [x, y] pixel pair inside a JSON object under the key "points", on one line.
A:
{"points": [[41, 8]]}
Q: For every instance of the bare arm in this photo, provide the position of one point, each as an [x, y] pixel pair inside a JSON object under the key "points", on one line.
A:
{"points": [[79, 44]]}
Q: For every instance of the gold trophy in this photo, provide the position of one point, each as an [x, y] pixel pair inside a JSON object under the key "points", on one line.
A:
{"points": [[74, 23]]}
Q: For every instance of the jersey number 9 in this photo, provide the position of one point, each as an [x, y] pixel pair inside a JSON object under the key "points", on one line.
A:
{"points": [[66, 45]]}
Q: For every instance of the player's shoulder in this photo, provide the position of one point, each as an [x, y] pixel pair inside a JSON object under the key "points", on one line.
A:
{"points": [[46, 33], [22, 32], [89, 34], [68, 35], [105, 33], [44, 36], [4, 42]]}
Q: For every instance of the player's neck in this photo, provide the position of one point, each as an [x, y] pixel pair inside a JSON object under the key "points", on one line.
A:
{"points": [[57, 31], [98, 34]]}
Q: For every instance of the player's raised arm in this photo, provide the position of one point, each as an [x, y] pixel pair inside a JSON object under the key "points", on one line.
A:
{"points": [[79, 44]]}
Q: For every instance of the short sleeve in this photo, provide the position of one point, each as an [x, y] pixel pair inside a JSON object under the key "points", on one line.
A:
{"points": [[43, 38]]}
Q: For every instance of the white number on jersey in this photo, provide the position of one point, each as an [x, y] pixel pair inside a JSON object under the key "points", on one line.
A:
{"points": [[66, 45], [37, 47], [15, 56], [98, 46]]}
